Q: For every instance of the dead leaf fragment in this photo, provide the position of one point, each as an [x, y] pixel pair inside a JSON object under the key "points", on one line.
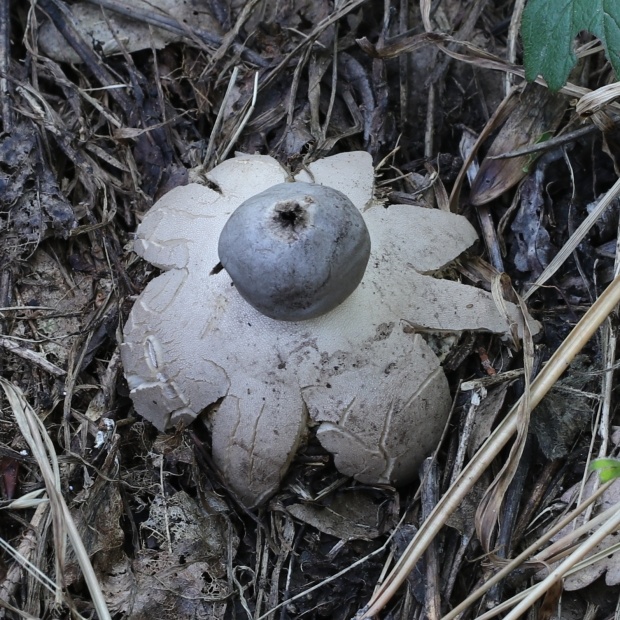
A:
{"points": [[538, 113], [533, 247], [109, 32], [185, 575], [565, 412], [350, 515]]}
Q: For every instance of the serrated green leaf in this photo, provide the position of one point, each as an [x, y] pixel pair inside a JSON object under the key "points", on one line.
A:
{"points": [[549, 28], [608, 469]]}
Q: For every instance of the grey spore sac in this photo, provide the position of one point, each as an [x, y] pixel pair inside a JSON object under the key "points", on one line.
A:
{"points": [[296, 250]]}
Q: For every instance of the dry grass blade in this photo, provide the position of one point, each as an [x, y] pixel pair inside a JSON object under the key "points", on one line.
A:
{"points": [[513, 39], [576, 238], [525, 599], [556, 366], [28, 565], [490, 506], [610, 526], [597, 99], [16, 611], [28, 500], [425, 10], [528, 553], [206, 164], [23, 553], [243, 123], [483, 59], [43, 450], [556, 551]]}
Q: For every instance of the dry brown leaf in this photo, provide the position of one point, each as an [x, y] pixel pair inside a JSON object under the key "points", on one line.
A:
{"points": [[350, 515], [184, 576], [110, 33], [537, 114]]}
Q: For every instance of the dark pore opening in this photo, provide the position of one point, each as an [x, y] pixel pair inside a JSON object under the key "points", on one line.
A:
{"points": [[290, 215]]}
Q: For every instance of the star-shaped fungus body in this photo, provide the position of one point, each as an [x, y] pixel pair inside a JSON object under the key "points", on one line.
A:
{"points": [[360, 374]]}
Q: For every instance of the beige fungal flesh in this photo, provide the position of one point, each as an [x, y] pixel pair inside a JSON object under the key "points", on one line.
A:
{"points": [[372, 387]]}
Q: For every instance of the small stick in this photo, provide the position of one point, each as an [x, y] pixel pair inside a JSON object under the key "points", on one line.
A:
{"points": [[555, 367], [244, 122], [32, 356], [549, 144], [220, 117], [429, 498]]}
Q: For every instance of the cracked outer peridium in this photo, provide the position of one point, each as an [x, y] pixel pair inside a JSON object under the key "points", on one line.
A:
{"points": [[373, 386]]}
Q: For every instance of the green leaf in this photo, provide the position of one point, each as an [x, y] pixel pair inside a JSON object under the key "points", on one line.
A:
{"points": [[549, 28], [608, 469]]}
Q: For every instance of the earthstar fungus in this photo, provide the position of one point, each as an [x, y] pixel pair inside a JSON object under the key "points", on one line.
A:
{"points": [[359, 373], [296, 250]]}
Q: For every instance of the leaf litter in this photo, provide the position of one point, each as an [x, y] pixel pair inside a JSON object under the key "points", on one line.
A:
{"points": [[89, 144]]}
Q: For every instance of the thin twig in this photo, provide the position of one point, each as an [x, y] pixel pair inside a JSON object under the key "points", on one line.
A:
{"points": [[220, 118], [549, 144], [32, 356], [556, 366], [243, 123]]}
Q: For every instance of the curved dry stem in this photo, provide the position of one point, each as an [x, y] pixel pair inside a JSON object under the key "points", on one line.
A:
{"points": [[525, 555], [555, 367], [43, 450]]}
